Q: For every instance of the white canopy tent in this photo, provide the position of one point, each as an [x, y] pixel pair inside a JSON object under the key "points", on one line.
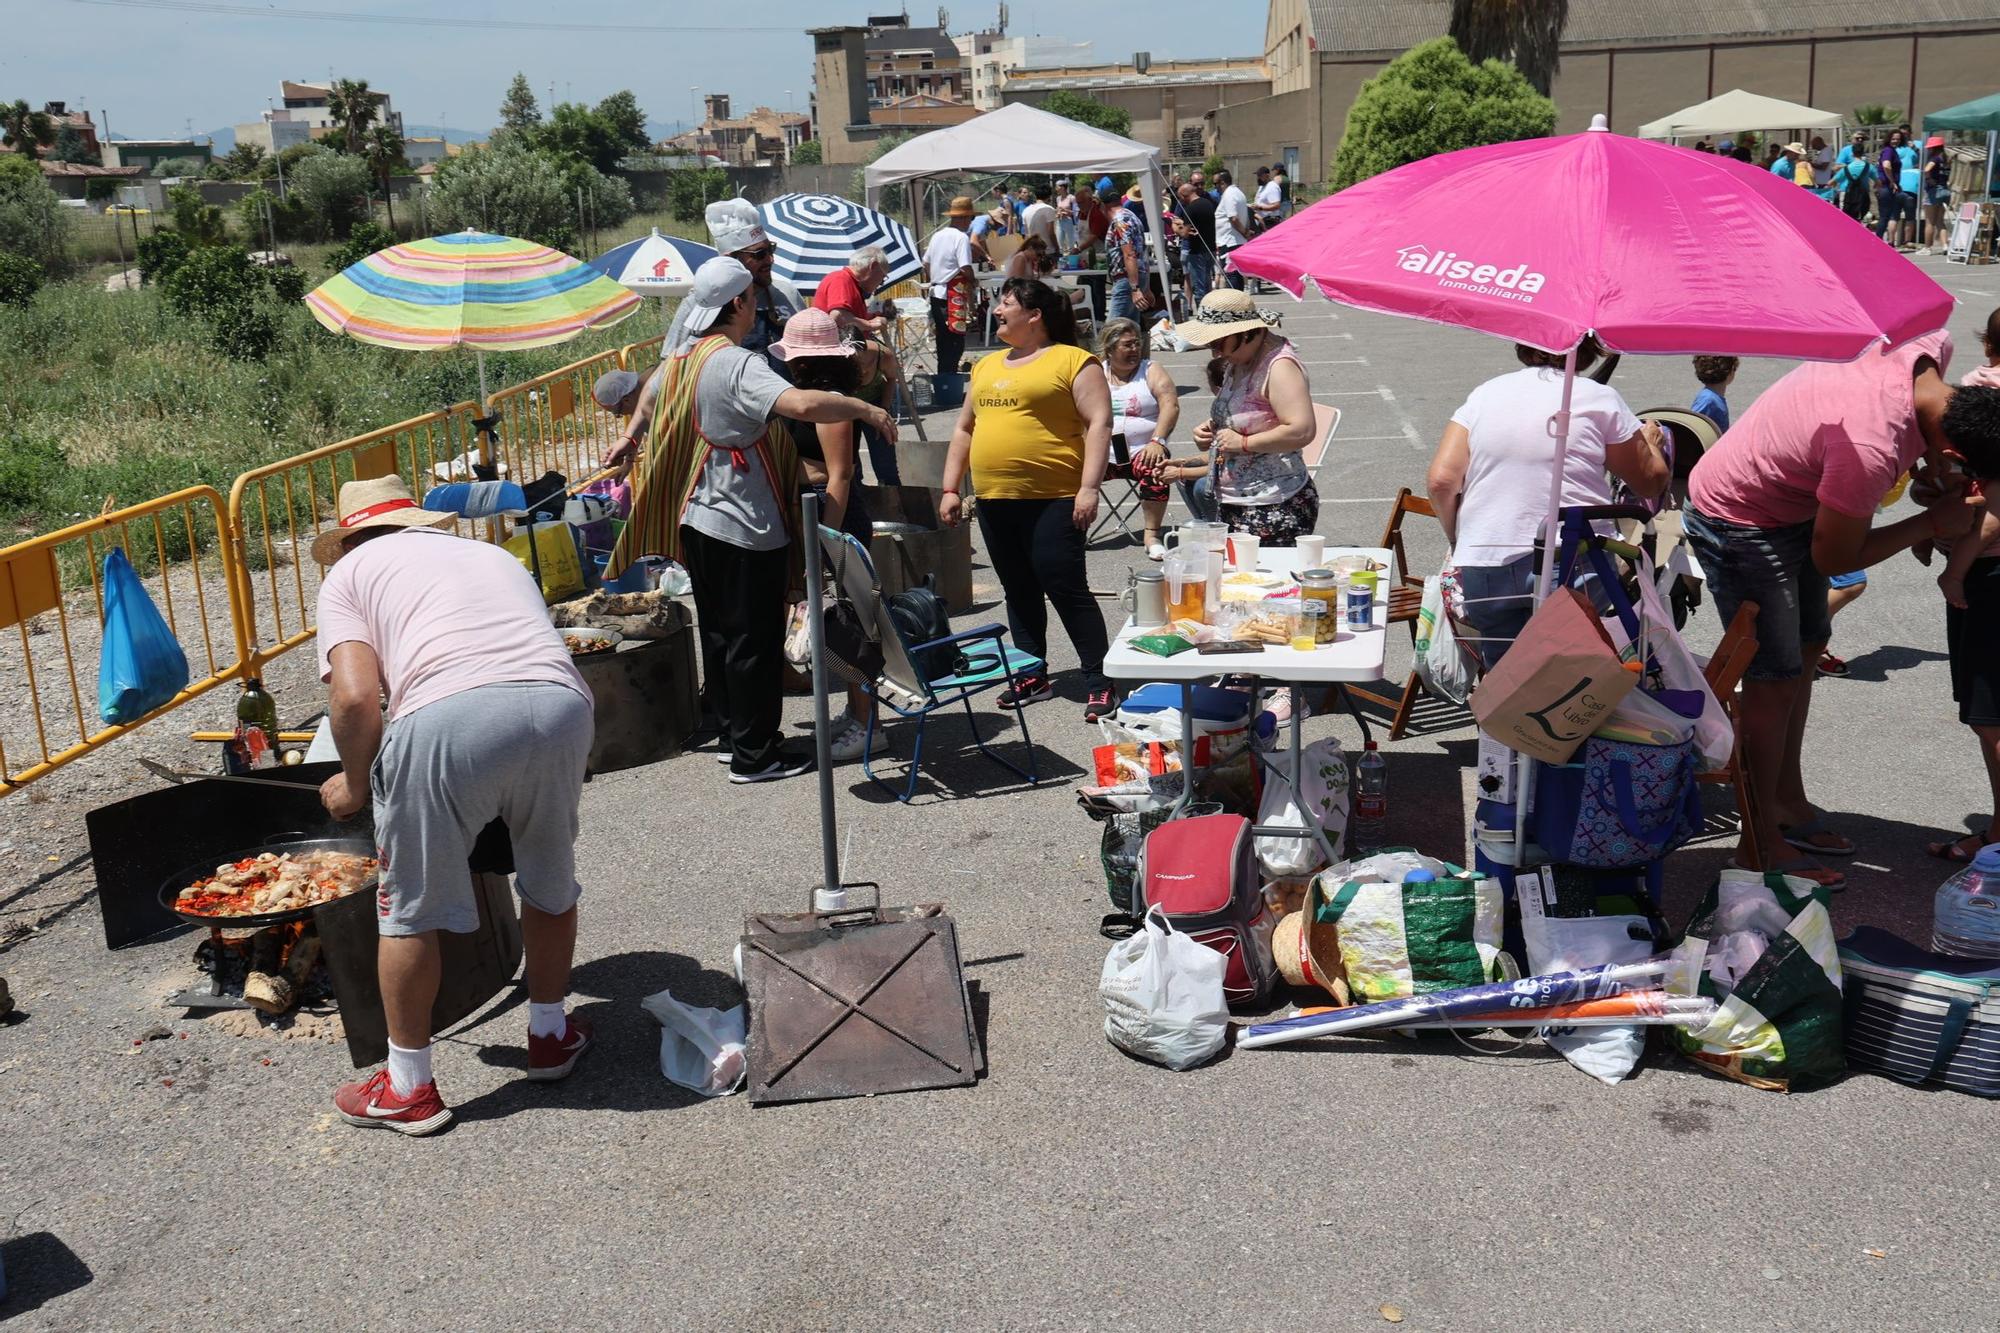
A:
{"points": [[1022, 138], [1736, 110]]}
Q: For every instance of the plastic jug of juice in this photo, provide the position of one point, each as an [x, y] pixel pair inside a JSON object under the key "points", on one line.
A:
{"points": [[1186, 569]]}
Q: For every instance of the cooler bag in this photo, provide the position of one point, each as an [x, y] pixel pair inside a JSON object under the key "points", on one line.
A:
{"points": [[1202, 873], [1921, 1017], [1618, 803]]}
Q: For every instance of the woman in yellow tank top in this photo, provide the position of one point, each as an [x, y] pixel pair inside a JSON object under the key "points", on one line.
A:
{"points": [[1036, 429]]}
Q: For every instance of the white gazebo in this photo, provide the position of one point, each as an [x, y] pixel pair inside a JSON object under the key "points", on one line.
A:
{"points": [[1022, 138], [1734, 111]]}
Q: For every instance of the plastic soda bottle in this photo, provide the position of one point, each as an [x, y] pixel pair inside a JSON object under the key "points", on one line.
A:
{"points": [[1966, 916], [1371, 799]]}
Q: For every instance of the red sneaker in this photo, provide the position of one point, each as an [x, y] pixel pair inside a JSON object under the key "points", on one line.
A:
{"points": [[551, 1058], [374, 1104]]}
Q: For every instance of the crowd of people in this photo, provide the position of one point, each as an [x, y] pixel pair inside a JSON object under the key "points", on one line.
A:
{"points": [[1906, 186]]}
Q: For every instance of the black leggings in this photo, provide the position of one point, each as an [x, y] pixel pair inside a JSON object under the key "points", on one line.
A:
{"points": [[1037, 552]]}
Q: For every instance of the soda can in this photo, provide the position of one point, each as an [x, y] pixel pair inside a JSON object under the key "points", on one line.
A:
{"points": [[1359, 603]]}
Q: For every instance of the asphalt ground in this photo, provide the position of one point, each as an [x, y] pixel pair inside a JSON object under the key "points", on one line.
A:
{"points": [[202, 1182]]}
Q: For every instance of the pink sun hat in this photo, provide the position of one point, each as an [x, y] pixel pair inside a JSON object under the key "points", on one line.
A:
{"points": [[811, 332]]}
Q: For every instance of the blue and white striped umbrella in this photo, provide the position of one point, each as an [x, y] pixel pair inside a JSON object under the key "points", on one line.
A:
{"points": [[816, 233], [655, 265]]}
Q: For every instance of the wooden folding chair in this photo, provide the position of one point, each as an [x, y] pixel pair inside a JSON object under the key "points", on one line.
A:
{"points": [[1724, 673], [1406, 598]]}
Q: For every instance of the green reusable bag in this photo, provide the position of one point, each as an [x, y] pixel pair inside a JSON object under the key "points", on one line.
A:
{"points": [[1774, 967], [1398, 940]]}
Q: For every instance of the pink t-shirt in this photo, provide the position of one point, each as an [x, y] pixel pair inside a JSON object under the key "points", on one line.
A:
{"points": [[444, 614], [1829, 433]]}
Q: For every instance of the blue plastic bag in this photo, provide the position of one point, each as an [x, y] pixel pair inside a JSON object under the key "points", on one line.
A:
{"points": [[142, 665]]}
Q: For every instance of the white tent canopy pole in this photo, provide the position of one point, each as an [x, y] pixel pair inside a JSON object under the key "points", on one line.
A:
{"points": [[1028, 140]]}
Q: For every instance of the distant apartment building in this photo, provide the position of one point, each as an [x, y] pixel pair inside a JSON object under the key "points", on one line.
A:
{"points": [[762, 138], [991, 57], [78, 121], [146, 154], [1168, 100], [302, 116], [882, 78]]}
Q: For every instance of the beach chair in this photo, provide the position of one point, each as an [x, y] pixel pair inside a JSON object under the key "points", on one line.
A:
{"points": [[982, 660]]}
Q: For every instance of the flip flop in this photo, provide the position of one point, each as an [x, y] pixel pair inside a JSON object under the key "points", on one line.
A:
{"points": [[1800, 836], [1954, 850], [1804, 867]]}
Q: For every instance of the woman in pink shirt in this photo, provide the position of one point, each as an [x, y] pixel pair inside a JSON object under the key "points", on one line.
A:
{"points": [[1787, 497]]}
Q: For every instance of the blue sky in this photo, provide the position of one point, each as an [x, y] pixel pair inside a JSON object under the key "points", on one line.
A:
{"points": [[160, 67]]}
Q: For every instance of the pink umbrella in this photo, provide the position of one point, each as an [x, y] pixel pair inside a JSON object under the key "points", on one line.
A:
{"points": [[1651, 247]]}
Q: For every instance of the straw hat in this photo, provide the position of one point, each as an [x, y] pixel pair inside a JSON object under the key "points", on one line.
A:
{"points": [[1222, 312], [382, 502], [811, 332], [1307, 951], [961, 207], [1795, 147]]}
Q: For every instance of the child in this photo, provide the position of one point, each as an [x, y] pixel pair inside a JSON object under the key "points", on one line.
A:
{"points": [[1985, 536], [1716, 373]]}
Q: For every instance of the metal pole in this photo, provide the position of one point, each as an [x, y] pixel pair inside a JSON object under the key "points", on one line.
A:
{"points": [[1551, 538], [829, 896]]}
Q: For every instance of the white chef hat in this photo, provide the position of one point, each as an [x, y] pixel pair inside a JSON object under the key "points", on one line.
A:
{"points": [[734, 224]]}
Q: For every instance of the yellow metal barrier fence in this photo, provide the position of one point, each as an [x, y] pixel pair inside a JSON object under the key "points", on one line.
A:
{"points": [[52, 597], [236, 579]]}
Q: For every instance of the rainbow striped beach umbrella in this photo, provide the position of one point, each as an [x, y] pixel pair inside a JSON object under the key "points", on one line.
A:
{"points": [[472, 290]]}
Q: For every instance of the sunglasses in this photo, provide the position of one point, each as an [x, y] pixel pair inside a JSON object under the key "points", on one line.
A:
{"points": [[761, 252]]}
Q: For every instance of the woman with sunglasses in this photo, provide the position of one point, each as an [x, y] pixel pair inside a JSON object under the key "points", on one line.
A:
{"points": [[1259, 424], [1144, 410], [1036, 430]]}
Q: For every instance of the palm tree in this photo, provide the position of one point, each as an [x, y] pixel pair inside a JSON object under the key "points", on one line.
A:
{"points": [[26, 130], [353, 108], [384, 150], [1874, 113], [1526, 32]]}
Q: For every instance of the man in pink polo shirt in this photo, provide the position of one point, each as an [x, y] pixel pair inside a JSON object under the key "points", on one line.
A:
{"points": [[1787, 497], [487, 719]]}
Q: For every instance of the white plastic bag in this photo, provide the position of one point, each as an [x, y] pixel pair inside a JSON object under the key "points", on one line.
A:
{"points": [[1163, 996], [1440, 663], [700, 1048], [1569, 944], [1167, 338], [1714, 738], [1324, 777]]}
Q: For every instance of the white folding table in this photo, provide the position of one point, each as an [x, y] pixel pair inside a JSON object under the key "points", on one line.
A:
{"points": [[1356, 656]]}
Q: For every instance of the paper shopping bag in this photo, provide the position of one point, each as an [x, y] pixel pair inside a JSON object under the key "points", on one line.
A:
{"points": [[1556, 685]]}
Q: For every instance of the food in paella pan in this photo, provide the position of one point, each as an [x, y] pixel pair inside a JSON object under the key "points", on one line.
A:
{"points": [[580, 646], [277, 882]]}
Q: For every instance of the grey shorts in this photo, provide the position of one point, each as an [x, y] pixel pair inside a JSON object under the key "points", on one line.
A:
{"points": [[512, 752], [1774, 568]]}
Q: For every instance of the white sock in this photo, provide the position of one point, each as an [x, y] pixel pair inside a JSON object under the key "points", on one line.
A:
{"points": [[548, 1020], [408, 1070]]}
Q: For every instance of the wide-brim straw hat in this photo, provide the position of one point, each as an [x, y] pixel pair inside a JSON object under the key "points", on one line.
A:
{"points": [[381, 502], [1222, 312], [1307, 951], [961, 207]]}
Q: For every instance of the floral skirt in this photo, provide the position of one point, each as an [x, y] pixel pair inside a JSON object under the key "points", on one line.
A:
{"points": [[1280, 524], [1145, 477]]}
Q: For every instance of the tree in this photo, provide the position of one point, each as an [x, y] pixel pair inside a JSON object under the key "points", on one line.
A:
{"points": [[627, 119], [384, 151], [33, 221], [508, 189], [25, 130], [808, 154], [354, 110], [171, 167], [1875, 114], [332, 188], [573, 130], [1431, 100], [1087, 111], [20, 279], [70, 147], [288, 159], [518, 109], [197, 220], [243, 162], [1527, 33]]}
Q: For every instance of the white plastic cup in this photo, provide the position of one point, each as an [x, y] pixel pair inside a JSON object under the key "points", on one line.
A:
{"points": [[1243, 549], [1311, 550]]}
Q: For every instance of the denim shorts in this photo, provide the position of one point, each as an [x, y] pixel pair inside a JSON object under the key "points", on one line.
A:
{"points": [[1500, 599], [1772, 567]]}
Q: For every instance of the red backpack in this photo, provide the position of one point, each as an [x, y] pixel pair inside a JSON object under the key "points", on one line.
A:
{"points": [[1202, 872]]}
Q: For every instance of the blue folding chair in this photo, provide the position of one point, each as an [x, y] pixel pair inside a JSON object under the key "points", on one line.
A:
{"points": [[983, 660]]}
